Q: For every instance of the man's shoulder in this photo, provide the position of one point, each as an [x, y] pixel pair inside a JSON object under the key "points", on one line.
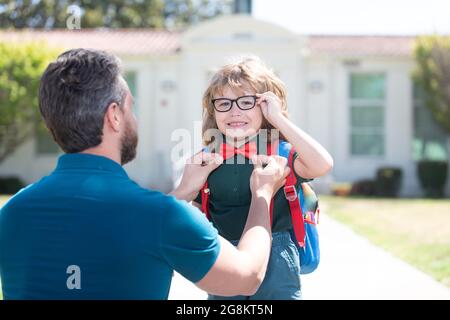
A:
{"points": [[46, 187], [18, 198], [22, 196], [154, 198]]}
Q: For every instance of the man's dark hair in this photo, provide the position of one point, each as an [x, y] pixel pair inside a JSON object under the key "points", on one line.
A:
{"points": [[74, 94]]}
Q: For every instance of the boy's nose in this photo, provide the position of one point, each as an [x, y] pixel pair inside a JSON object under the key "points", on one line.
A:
{"points": [[234, 108]]}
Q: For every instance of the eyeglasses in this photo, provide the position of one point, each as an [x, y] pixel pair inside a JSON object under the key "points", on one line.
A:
{"points": [[225, 104]]}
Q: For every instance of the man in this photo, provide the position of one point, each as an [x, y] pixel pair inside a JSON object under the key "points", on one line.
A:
{"points": [[87, 231]]}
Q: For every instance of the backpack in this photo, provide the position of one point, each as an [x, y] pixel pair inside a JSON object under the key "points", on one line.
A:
{"points": [[304, 207]]}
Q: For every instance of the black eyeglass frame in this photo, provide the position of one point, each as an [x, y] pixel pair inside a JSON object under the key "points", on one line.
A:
{"points": [[232, 101]]}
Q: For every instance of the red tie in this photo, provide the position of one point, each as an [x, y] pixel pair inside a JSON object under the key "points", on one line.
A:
{"points": [[248, 150]]}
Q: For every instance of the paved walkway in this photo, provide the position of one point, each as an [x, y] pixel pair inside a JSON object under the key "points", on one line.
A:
{"points": [[351, 268]]}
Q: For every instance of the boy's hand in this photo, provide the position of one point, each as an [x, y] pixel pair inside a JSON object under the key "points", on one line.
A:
{"points": [[270, 106]]}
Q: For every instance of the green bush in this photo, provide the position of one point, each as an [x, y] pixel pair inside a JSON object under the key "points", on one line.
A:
{"points": [[388, 182], [432, 177], [21, 67], [10, 185]]}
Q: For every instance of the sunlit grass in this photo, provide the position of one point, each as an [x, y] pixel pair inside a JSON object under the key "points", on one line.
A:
{"points": [[3, 199], [415, 230]]}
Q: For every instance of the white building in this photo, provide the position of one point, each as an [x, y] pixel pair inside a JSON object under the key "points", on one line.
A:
{"points": [[354, 94]]}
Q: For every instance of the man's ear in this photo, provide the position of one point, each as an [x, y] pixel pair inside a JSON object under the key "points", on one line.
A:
{"points": [[113, 117]]}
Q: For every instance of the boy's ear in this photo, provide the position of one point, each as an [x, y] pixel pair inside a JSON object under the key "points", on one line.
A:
{"points": [[113, 117]]}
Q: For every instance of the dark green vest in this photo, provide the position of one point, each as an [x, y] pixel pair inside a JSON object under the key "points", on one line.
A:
{"points": [[230, 197]]}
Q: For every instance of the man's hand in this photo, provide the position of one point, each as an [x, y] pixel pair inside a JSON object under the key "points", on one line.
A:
{"points": [[265, 181], [196, 171]]}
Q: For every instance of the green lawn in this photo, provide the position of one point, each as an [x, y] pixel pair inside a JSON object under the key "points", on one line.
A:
{"points": [[415, 230]]}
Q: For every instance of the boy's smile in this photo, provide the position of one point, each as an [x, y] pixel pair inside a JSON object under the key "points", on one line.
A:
{"points": [[237, 124]]}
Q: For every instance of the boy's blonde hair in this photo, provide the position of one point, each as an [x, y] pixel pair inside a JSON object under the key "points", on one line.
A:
{"points": [[247, 72]]}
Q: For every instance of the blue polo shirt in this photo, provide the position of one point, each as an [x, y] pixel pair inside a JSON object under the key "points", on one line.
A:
{"points": [[87, 231]]}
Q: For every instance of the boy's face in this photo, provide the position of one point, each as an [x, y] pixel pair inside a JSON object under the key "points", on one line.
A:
{"points": [[236, 123]]}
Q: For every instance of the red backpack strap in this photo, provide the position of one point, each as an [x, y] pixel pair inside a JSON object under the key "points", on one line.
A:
{"points": [[205, 199], [270, 148], [294, 202], [205, 195]]}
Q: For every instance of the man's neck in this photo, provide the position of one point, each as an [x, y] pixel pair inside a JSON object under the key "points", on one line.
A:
{"points": [[102, 151]]}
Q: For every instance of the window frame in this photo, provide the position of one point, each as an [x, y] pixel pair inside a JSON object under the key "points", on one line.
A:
{"points": [[364, 103]]}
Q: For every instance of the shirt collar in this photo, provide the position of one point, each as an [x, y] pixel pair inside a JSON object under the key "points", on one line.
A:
{"points": [[77, 161]]}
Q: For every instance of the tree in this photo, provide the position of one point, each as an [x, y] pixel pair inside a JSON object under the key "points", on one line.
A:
{"points": [[21, 66], [110, 13], [33, 14], [182, 13], [432, 75], [432, 55]]}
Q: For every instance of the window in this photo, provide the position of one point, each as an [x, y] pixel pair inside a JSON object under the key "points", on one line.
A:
{"points": [[131, 79], [367, 100], [243, 6], [44, 141], [430, 141]]}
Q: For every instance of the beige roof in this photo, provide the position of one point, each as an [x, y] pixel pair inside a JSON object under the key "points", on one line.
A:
{"points": [[362, 45], [151, 42]]}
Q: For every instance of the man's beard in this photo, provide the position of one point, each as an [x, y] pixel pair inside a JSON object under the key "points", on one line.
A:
{"points": [[129, 145]]}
